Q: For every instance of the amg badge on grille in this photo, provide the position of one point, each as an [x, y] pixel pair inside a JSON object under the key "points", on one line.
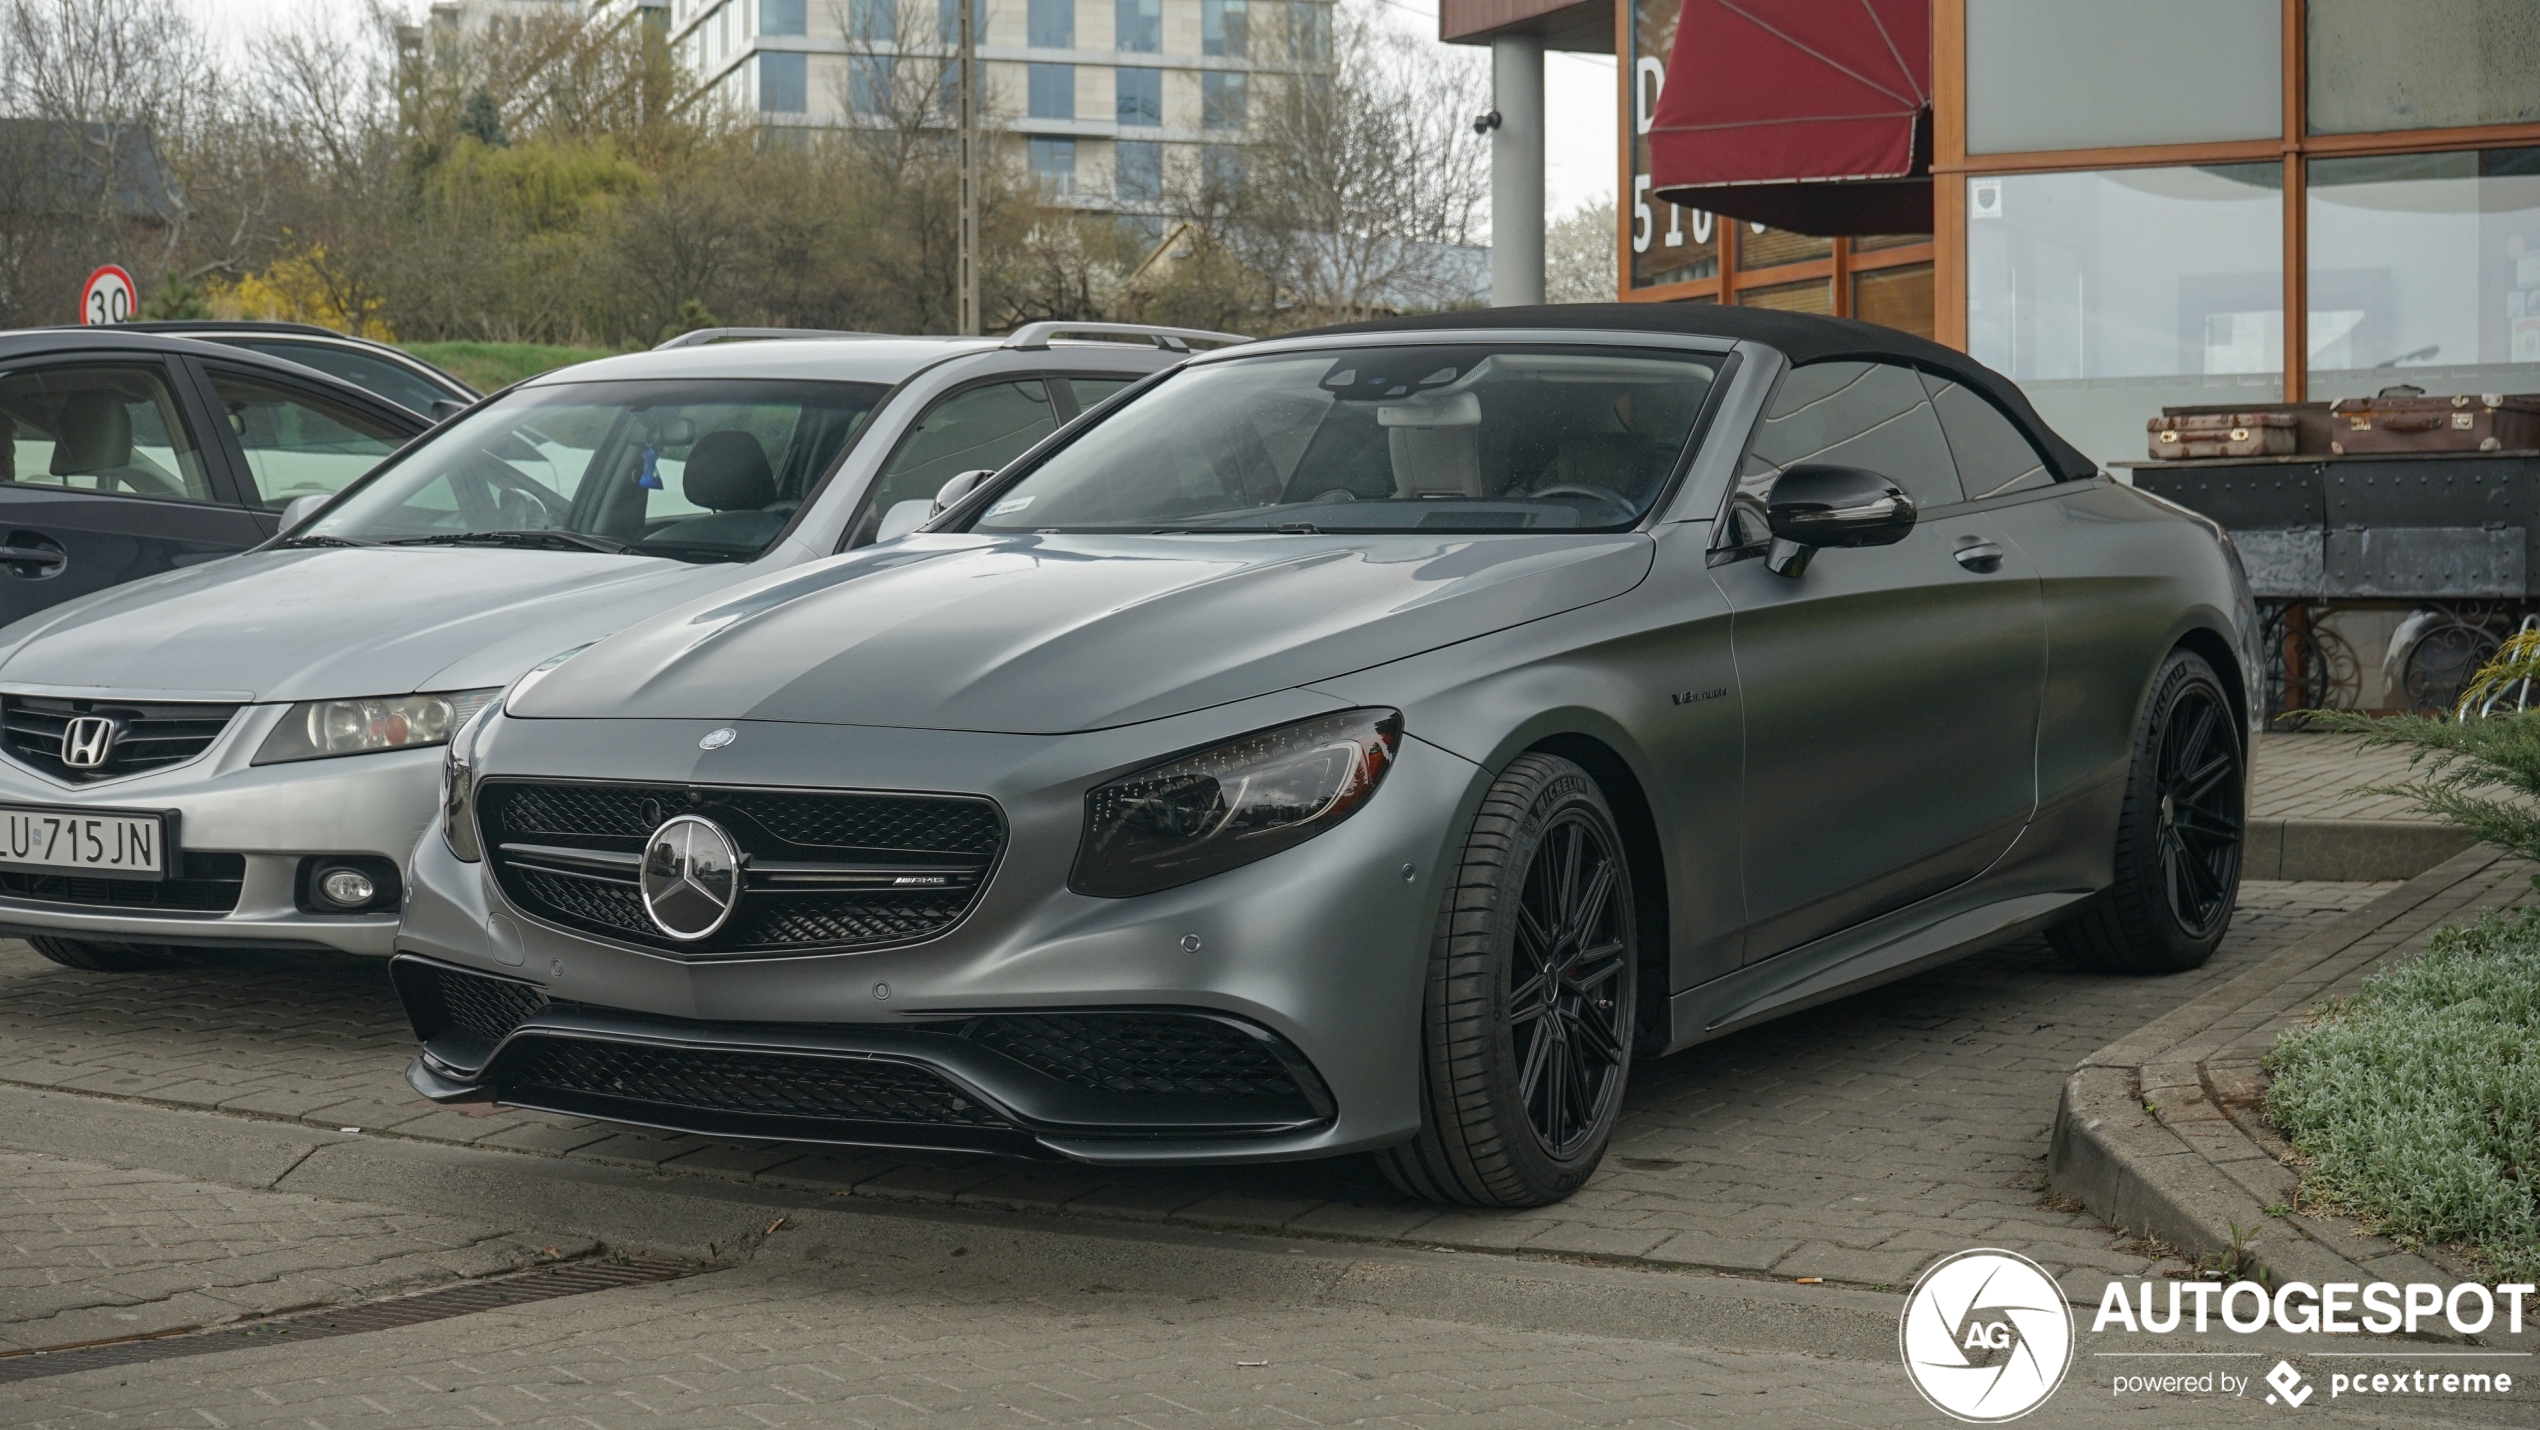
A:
{"points": [[691, 878]]}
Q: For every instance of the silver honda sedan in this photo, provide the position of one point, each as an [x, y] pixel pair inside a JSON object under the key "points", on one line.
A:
{"points": [[1366, 741], [241, 753]]}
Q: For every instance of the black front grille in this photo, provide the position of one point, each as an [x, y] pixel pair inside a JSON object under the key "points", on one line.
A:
{"points": [[1142, 1053], [210, 886], [487, 1008], [578, 1072], [149, 735], [827, 871]]}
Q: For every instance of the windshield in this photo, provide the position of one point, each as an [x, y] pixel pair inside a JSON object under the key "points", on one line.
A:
{"points": [[699, 470], [1445, 437]]}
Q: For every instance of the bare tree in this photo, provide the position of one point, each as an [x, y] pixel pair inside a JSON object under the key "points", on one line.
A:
{"points": [[1580, 256]]}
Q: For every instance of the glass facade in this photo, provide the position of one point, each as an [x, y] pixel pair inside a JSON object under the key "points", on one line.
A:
{"points": [[2109, 294], [780, 17], [1224, 28], [869, 82], [1051, 24], [784, 82], [1222, 99], [1137, 171], [2425, 268], [2414, 64], [2176, 71], [1899, 297]]}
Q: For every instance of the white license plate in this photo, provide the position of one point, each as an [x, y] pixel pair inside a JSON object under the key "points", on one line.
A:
{"points": [[130, 846]]}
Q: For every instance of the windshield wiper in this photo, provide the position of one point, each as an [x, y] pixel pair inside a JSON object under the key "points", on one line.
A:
{"points": [[319, 541], [548, 538]]}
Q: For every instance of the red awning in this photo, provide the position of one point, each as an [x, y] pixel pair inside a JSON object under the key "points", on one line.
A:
{"points": [[1812, 115]]}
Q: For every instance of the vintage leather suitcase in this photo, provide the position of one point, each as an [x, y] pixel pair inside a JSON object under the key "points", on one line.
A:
{"points": [[2222, 434], [2404, 419]]}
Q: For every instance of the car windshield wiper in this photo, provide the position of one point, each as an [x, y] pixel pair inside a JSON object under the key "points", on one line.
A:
{"points": [[320, 541], [548, 538]]}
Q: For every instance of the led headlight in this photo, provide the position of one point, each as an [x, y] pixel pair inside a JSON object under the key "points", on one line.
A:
{"points": [[1216, 809], [323, 729], [458, 788]]}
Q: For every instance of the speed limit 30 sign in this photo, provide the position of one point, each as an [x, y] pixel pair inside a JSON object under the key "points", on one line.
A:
{"points": [[108, 297]]}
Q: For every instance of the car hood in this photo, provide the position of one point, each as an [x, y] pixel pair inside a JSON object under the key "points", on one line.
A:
{"points": [[1049, 634], [313, 624]]}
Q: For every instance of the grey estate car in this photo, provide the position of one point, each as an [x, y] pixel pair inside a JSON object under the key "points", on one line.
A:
{"points": [[1367, 740], [242, 753]]}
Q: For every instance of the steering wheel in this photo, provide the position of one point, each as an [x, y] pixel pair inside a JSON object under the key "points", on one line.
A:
{"points": [[1584, 489]]}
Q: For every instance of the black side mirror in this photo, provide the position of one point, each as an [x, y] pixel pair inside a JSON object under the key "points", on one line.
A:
{"points": [[961, 485], [1813, 505]]}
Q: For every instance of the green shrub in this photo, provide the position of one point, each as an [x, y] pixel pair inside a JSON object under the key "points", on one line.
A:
{"points": [[2418, 1100], [489, 366]]}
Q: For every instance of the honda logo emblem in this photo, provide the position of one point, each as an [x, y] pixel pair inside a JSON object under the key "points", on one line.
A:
{"points": [[87, 741]]}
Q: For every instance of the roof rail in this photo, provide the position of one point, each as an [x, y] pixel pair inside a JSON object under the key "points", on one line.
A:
{"points": [[703, 336], [1179, 340]]}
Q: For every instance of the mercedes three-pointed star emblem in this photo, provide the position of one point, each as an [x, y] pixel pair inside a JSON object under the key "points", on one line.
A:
{"points": [[691, 877]]}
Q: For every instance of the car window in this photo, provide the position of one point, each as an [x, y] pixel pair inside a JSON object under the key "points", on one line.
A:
{"points": [[115, 431], [298, 445], [985, 426], [697, 469], [1876, 416], [1090, 390], [1440, 437], [373, 374], [1993, 456]]}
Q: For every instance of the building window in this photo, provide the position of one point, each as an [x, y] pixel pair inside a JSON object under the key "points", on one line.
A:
{"points": [[2406, 64], [2425, 268], [948, 22], [872, 21], [1137, 171], [2109, 295], [1141, 95], [1053, 91], [1139, 27], [1053, 24], [1895, 297], [1816, 295], [2227, 82], [1309, 31], [780, 17], [1221, 168], [1221, 28], [1221, 99], [1762, 247], [783, 85], [1053, 164], [869, 80]]}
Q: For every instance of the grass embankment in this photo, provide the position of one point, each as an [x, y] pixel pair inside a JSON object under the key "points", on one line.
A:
{"points": [[489, 366], [2418, 1100]]}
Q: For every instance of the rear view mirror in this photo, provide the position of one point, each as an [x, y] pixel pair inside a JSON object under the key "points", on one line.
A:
{"points": [[300, 510], [959, 487], [1814, 505], [903, 518]]}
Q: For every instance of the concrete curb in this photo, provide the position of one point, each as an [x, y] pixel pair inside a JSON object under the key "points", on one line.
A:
{"points": [[2160, 1132], [2346, 850]]}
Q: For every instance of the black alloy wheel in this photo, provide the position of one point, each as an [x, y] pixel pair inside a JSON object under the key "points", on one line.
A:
{"points": [[1527, 1022], [2177, 866], [1572, 949]]}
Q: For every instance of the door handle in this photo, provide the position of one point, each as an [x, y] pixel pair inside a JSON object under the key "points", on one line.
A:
{"points": [[31, 556], [1979, 556]]}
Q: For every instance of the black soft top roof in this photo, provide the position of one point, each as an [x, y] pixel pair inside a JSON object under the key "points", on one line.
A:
{"points": [[1801, 337]]}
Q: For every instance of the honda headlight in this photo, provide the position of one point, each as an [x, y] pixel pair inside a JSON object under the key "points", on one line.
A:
{"points": [[323, 729], [458, 788], [1216, 809]]}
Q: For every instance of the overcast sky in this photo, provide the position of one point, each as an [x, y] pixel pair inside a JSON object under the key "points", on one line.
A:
{"points": [[1578, 92]]}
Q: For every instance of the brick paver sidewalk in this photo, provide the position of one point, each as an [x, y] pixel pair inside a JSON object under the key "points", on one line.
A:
{"points": [[2297, 776]]}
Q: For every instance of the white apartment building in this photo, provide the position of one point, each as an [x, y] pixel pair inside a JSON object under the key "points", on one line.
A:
{"points": [[1104, 98]]}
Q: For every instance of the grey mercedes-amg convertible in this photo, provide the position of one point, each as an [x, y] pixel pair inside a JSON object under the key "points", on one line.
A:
{"points": [[1371, 740]]}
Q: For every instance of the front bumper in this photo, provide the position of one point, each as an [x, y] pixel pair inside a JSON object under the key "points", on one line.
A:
{"points": [[270, 817], [1319, 952]]}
